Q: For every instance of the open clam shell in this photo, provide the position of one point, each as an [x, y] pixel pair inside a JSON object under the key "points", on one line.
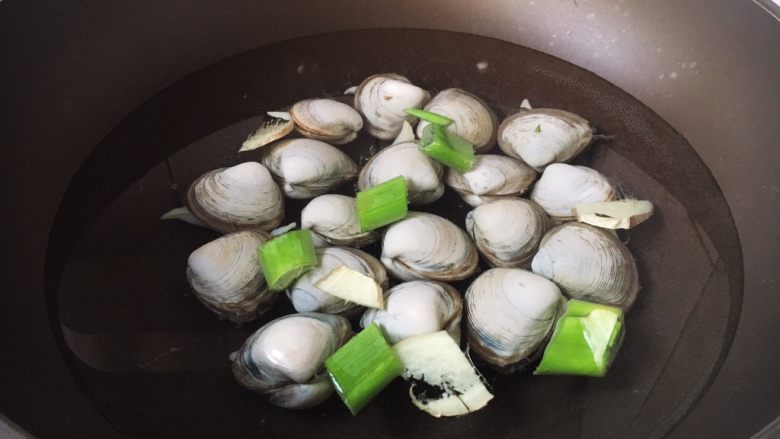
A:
{"points": [[382, 99], [417, 307], [226, 276], [241, 197], [327, 120], [305, 297], [473, 120], [507, 231], [423, 175], [588, 263], [510, 312], [307, 168], [491, 177], [427, 246], [283, 360], [543, 136], [333, 220], [562, 187]]}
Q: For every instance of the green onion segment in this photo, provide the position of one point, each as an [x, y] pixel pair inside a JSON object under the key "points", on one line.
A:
{"points": [[441, 145], [286, 257], [382, 204]]}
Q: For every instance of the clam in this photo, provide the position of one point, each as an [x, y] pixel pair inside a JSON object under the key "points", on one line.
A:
{"points": [[588, 263], [382, 99], [426, 246], [491, 177], [417, 307], [562, 187], [333, 220], [507, 231], [283, 360], [509, 314], [423, 175], [305, 297], [473, 120], [543, 136], [327, 120], [242, 197], [226, 276], [307, 167]]}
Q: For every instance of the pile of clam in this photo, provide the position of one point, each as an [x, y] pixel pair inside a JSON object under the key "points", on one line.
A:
{"points": [[536, 250]]}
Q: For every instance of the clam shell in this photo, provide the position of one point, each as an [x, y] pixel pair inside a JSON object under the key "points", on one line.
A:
{"points": [[382, 99], [242, 197], [307, 168], [426, 246], [473, 120], [417, 307], [226, 276], [508, 231], [423, 175], [509, 315], [543, 136], [588, 263], [327, 120], [305, 297], [333, 220], [491, 177], [289, 374], [562, 187]]}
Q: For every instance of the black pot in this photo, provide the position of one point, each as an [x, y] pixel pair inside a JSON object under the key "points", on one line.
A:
{"points": [[100, 118]]}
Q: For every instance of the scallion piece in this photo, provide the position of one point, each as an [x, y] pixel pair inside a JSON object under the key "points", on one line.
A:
{"points": [[428, 116], [584, 341], [382, 204], [441, 145], [286, 257], [363, 367]]}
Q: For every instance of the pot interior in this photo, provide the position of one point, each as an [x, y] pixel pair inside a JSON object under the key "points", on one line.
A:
{"points": [[155, 361]]}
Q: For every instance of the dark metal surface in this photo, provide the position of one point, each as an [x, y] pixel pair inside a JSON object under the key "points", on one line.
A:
{"points": [[70, 73]]}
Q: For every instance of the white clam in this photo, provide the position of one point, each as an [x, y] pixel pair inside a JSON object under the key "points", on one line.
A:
{"points": [[491, 177], [426, 246], [508, 231], [382, 99], [327, 120], [417, 307], [562, 187], [543, 136], [333, 220], [307, 167], [423, 175], [226, 276], [291, 375], [305, 297], [509, 314], [242, 197], [473, 120], [588, 263]]}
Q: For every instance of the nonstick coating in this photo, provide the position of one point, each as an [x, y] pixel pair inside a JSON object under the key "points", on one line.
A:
{"points": [[71, 72]]}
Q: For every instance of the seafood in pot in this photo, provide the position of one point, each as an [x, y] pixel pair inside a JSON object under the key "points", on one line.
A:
{"points": [[333, 220], [427, 246], [491, 177], [423, 175], [226, 276], [417, 307], [543, 136], [382, 99], [562, 187], [291, 374], [588, 263], [507, 231], [327, 120], [473, 120], [307, 168], [241, 197], [305, 297], [509, 314]]}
